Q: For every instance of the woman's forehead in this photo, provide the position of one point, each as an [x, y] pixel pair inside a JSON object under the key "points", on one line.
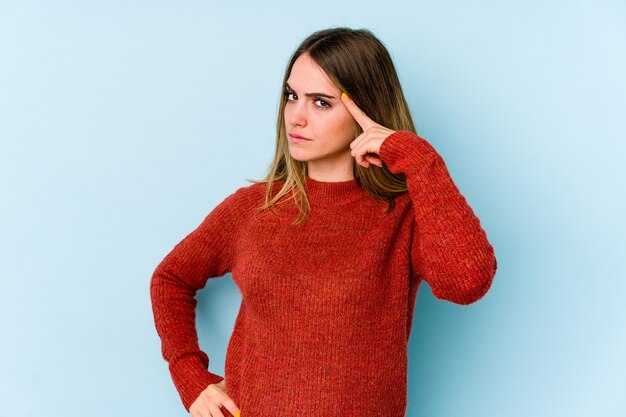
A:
{"points": [[307, 75]]}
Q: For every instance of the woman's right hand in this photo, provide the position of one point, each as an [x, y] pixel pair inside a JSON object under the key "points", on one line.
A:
{"points": [[211, 399]]}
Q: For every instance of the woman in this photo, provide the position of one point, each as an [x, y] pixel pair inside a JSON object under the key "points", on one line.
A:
{"points": [[328, 251]]}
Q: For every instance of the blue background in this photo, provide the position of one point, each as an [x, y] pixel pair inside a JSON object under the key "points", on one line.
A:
{"points": [[122, 124]]}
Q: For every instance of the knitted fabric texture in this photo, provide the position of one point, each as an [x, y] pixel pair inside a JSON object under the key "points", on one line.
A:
{"points": [[327, 307]]}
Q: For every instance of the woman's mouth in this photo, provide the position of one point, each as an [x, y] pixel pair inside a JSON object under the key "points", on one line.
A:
{"points": [[295, 138]]}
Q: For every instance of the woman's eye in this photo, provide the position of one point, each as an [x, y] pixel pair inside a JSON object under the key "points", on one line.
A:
{"points": [[326, 104]]}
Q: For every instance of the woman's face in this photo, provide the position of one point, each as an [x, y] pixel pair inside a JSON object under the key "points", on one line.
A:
{"points": [[314, 110]]}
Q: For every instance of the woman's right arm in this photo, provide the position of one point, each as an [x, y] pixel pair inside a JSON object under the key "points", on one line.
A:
{"points": [[206, 252]]}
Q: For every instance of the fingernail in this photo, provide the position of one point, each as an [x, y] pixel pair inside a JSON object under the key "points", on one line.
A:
{"points": [[237, 413], [344, 95]]}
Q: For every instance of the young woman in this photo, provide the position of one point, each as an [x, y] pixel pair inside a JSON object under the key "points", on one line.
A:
{"points": [[328, 251]]}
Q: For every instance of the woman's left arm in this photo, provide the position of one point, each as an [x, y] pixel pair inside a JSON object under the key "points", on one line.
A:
{"points": [[450, 249]]}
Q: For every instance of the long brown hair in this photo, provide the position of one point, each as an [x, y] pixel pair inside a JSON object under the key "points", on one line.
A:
{"points": [[359, 64]]}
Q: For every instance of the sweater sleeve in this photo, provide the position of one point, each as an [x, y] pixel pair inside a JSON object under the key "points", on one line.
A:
{"points": [[206, 252], [449, 249]]}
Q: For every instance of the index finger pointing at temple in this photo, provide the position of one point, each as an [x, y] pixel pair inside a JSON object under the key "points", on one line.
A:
{"points": [[359, 115]]}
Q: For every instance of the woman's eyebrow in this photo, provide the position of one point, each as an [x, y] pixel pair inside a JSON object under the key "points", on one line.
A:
{"points": [[312, 94]]}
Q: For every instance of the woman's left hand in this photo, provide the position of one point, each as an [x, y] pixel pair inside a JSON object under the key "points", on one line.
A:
{"points": [[368, 142]]}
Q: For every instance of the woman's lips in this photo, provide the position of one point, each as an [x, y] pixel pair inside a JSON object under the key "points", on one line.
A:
{"points": [[297, 138]]}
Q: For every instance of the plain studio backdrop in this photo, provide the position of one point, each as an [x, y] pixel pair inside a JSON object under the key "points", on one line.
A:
{"points": [[122, 124]]}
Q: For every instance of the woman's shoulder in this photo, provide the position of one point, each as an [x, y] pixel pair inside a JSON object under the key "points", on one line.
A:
{"points": [[241, 194], [248, 195]]}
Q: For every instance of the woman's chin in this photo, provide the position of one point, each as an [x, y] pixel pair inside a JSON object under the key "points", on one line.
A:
{"points": [[300, 156]]}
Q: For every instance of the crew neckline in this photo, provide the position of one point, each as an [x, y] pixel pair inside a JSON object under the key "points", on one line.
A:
{"points": [[332, 193]]}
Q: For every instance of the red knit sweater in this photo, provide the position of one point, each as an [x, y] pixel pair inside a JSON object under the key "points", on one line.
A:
{"points": [[327, 307]]}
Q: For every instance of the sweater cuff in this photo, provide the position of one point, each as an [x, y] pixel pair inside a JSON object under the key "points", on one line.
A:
{"points": [[406, 152], [191, 377]]}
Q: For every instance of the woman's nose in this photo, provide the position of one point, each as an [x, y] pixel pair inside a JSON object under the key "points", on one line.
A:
{"points": [[298, 114]]}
